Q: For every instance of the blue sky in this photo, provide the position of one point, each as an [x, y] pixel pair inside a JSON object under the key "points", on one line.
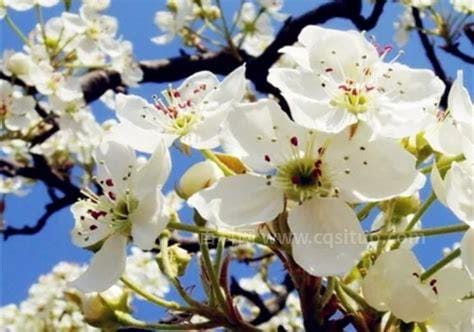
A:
{"points": [[23, 259]]}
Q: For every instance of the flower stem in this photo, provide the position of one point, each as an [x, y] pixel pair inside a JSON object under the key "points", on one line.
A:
{"points": [[442, 164], [208, 154], [16, 29], [128, 320], [364, 212], [430, 200], [386, 227], [152, 298], [418, 233], [232, 235], [442, 263]]}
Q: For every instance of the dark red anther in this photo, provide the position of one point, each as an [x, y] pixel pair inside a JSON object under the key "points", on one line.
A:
{"points": [[109, 182], [188, 102], [318, 163], [354, 92], [344, 87], [112, 195], [416, 274], [369, 88], [295, 179], [435, 290], [267, 158], [294, 140], [321, 150], [433, 282], [176, 94], [96, 214], [328, 70], [317, 173]]}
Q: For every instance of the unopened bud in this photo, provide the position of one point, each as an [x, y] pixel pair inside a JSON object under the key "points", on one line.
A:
{"points": [[403, 206], [178, 260], [98, 308], [198, 177]]}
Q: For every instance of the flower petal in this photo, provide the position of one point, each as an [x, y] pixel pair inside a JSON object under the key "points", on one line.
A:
{"points": [[106, 266], [467, 251], [148, 220], [239, 200], [371, 170], [327, 236], [87, 230], [459, 193]]}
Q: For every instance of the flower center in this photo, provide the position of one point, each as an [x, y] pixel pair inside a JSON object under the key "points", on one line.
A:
{"points": [[183, 123], [354, 100]]}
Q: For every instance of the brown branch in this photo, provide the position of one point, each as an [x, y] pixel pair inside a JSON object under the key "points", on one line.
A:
{"points": [[454, 50], [431, 55], [95, 83]]}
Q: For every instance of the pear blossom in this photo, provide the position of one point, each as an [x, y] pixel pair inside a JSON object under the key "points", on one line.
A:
{"points": [[171, 22], [96, 32], [419, 3], [393, 284], [16, 111], [17, 64], [22, 5], [192, 113], [273, 7], [455, 191], [256, 30], [463, 6], [97, 5], [320, 172], [123, 61], [454, 133], [346, 82], [53, 36], [131, 206], [51, 82], [403, 26]]}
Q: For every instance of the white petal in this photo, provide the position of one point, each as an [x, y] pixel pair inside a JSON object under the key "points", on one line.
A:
{"points": [[297, 54], [154, 172], [206, 134], [231, 88], [298, 82], [197, 86], [148, 220], [327, 236], [459, 190], [87, 230], [444, 137], [262, 129], [371, 170], [412, 302], [383, 276], [459, 101], [132, 108], [452, 283], [106, 266], [467, 250], [438, 184], [114, 162], [238, 201]]}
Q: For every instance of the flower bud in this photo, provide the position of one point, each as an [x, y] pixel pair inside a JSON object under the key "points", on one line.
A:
{"points": [[98, 308], [198, 177], [404, 206], [178, 260]]}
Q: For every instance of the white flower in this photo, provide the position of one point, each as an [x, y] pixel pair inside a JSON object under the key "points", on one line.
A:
{"points": [[273, 7], [17, 64], [97, 32], [463, 6], [420, 3], [199, 176], [50, 82], [131, 205], [321, 173], [3, 9], [456, 192], [193, 112], [12, 186], [22, 5], [97, 5], [143, 270], [342, 81], [173, 21], [393, 284], [256, 30], [16, 111], [453, 135], [122, 61], [403, 26]]}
